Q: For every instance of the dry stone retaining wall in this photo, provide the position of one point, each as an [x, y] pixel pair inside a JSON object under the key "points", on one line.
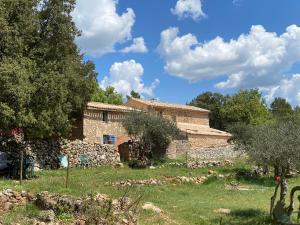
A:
{"points": [[46, 152]]}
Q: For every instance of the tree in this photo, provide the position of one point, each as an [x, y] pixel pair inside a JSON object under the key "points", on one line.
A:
{"points": [[213, 102], [109, 96], [246, 106], [274, 145], [44, 79], [152, 132], [281, 109], [133, 94]]}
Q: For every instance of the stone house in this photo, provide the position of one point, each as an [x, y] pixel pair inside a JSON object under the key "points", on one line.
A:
{"points": [[191, 120], [102, 122]]}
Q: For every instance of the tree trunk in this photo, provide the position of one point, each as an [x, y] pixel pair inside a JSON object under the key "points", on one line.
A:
{"points": [[273, 198], [283, 189]]}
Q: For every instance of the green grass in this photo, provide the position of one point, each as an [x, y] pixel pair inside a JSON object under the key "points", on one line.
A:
{"points": [[184, 204]]}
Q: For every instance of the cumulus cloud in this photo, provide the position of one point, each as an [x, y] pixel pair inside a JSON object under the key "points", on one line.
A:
{"points": [[287, 88], [102, 27], [256, 59], [189, 8], [138, 46], [127, 76]]}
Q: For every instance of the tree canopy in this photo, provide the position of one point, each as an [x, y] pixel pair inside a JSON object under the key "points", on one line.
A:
{"points": [[213, 102], [109, 96], [133, 94], [44, 81], [281, 108], [246, 106]]}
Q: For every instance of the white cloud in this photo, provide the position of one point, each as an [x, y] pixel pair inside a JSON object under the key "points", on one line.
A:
{"points": [[127, 76], [257, 59], [102, 27], [189, 8], [287, 88], [138, 46]]}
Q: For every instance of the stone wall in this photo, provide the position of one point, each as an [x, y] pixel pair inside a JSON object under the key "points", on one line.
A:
{"points": [[46, 153], [94, 127], [176, 115], [182, 116], [98, 154], [201, 140], [178, 147]]}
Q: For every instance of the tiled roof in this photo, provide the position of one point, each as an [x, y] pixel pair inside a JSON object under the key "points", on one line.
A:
{"points": [[109, 107], [159, 104], [201, 129]]}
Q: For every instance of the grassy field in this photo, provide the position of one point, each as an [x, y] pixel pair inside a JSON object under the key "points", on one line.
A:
{"points": [[184, 204]]}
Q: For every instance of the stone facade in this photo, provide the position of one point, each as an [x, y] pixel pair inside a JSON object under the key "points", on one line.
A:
{"points": [[192, 121], [202, 140], [101, 120], [178, 147], [95, 128]]}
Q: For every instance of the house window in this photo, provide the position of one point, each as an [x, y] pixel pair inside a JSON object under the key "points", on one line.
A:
{"points": [[109, 139], [105, 116]]}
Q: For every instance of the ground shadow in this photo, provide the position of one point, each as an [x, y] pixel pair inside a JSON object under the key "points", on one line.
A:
{"points": [[247, 176], [244, 217], [247, 213]]}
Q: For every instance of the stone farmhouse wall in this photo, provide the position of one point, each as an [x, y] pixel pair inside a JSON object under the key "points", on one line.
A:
{"points": [[178, 116], [178, 147], [94, 127], [201, 140]]}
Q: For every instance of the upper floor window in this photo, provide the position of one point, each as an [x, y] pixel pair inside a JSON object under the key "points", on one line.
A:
{"points": [[105, 116]]}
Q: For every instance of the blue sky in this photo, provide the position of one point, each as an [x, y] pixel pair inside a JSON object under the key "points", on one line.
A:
{"points": [[180, 47]]}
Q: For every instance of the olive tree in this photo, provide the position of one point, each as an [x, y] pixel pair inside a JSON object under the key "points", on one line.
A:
{"points": [[274, 145], [151, 131]]}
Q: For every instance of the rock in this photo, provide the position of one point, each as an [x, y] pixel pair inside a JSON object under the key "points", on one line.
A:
{"points": [[80, 222], [8, 206], [152, 167], [119, 165], [47, 216], [152, 207], [125, 221], [222, 211], [211, 172]]}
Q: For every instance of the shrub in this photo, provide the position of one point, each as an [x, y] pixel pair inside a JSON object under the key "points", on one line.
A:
{"points": [[137, 164], [152, 132]]}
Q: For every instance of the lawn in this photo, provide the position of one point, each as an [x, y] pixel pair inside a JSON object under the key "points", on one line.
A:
{"points": [[184, 204]]}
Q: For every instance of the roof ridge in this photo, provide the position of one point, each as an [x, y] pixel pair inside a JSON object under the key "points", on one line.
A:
{"points": [[169, 104]]}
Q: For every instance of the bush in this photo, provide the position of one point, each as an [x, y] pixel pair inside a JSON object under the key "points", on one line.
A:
{"points": [[137, 164], [152, 132]]}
